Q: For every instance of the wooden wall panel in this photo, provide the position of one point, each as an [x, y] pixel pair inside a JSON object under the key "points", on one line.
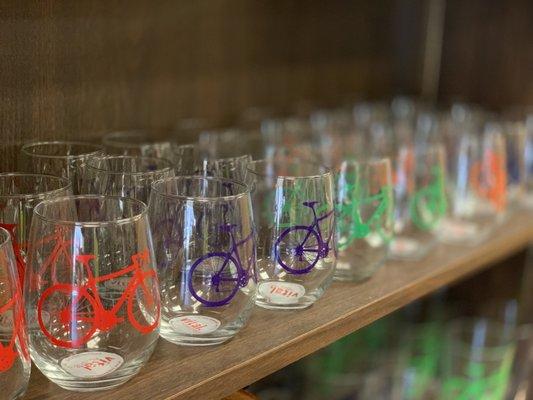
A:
{"points": [[73, 69], [488, 52]]}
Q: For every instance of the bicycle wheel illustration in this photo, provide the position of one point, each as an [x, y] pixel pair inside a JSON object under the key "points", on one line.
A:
{"points": [[427, 207], [214, 279], [143, 309], [73, 324], [297, 249]]}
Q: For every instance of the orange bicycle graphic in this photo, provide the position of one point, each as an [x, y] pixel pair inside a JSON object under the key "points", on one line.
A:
{"points": [[83, 312], [8, 354], [489, 179]]}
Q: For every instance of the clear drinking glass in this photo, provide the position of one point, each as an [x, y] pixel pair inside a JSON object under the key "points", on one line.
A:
{"points": [[364, 212], [65, 159], [420, 200], [15, 363], [478, 189], [477, 360], [205, 247], [128, 176], [91, 285], [19, 194], [138, 143], [296, 242]]}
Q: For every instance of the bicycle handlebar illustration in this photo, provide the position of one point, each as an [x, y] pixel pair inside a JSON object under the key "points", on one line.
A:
{"points": [[351, 221], [304, 242], [428, 205], [84, 308], [228, 276], [8, 353]]}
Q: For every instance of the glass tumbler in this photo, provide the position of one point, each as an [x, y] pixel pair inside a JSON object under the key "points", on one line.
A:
{"points": [[420, 200], [128, 176], [91, 285], [296, 243], [478, 188], [19, 194], [65, 159], [364, 212], [205, 248], [477, 361], [15, 361]]}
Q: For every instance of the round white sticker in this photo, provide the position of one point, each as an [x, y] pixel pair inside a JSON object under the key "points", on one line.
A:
{"points": [[92, 364], [194, 324], [404, 246], [281, 292]]}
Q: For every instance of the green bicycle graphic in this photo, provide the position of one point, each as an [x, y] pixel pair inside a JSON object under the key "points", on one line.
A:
{"points": [[477, 385], [350, 220], [428, 205]]}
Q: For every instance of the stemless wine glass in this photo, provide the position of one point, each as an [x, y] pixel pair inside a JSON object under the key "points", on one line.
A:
{"points": [[14, 354], [420, 200], [19, 193], [477, 361], [65, 159], [128, 176], [138, 143], [296, 231], [364, 211], [91, 286], [205, 248], [477, 189]]}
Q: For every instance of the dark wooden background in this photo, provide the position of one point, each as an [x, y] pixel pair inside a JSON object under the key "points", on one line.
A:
{"points": [[75, 69]]}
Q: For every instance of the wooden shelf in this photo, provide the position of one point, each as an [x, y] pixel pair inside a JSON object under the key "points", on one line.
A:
{"points": [[273, 340]]}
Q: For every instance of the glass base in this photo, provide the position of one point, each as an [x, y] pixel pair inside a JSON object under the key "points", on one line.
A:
{"points": [[91, 386], [347, 271], [408, 249], [186, 340], [277, 306]]}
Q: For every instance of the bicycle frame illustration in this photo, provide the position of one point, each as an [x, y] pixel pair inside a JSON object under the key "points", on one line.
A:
{"points": [[428, 205], [305, 242], [489, 179], [229, 271], [17, 249], [351, 221], [84, 304], [8, 354]]}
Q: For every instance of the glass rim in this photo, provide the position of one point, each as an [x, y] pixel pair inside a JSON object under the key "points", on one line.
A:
{"points": [[91, 224], [298, 161], [119, 139], [97, 149], [169, 167], [5, 237], [67, 184], [234, 158], [371, 160], [155, 188]]}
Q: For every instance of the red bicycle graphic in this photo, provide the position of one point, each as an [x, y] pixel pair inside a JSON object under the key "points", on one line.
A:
{"points": [[83, 312], [8, 354], [17, 249]]}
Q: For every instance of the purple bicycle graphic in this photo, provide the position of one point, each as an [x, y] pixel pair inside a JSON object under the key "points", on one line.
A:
{"points": [[227, 274], [304, 244]]}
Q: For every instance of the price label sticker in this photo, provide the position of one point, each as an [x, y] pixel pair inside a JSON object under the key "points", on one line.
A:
{"points": [[281, 292], [194, 324], [404, 246], [92, 364]]}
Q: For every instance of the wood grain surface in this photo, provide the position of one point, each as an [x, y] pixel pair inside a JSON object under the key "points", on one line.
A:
{"points": [[273, 340], [77, 69]]}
